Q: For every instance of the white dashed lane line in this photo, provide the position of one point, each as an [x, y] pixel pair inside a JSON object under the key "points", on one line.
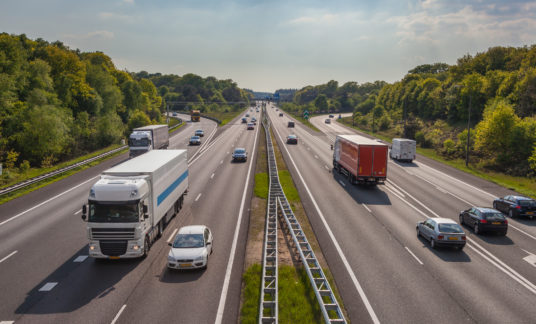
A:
{"points": [[48, 286], [8, 256], [198, 196], [80, 258]]}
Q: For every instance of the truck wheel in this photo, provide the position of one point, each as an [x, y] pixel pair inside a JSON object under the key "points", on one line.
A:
{"points": [[146, 247], [160, 228]]}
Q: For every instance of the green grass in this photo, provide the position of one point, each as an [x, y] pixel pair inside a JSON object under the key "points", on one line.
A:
{"points": [[523, 185], [23, 191], [224, 117], [288, 186], [307, 123], [251, 293], [297, 301], [261, 185]]}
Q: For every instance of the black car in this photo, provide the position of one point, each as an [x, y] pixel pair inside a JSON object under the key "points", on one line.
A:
{"points": [[280, 114], [483, 219], [292, 139], [290, 124], [515, 206]]}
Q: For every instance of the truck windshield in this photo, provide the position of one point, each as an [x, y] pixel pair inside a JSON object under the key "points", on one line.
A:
{"points": [[138, 142], [125, 213]]}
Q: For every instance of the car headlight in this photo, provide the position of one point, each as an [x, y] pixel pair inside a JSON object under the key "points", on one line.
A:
{"points": [[200, 258], [170, 258]]}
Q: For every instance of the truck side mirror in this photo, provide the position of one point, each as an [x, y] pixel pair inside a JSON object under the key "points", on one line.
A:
{"points": [[84, 209]]}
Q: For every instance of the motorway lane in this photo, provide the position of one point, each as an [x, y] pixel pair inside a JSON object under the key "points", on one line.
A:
{"points": [[477, 271], [48, 237]]}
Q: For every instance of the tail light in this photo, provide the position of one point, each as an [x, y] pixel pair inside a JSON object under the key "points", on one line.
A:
{"points": [[463, 238], [483, 221], [506, 221], [518, 207], [440, 237]]}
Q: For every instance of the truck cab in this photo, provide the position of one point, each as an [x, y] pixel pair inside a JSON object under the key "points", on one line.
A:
{"points": [[140, 142]]}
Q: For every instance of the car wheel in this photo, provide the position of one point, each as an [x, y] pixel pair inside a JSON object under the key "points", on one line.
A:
{"points": [[461, 247], [432, 243], [461, 220], [160, 228], [503, 233], [477, 229], [511, 213]]}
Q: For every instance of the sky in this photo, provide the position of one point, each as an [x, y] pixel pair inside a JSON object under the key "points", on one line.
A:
{"points": [[269, 45]]}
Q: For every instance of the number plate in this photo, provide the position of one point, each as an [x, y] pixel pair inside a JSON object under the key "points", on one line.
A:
{"points": [[530, 213], [185, 265], [496, 223], [453, 238], [114, 258]]}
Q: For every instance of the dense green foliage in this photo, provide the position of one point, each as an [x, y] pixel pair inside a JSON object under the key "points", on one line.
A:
{"points": [[433, 102], [194, 92], [57, 103]]}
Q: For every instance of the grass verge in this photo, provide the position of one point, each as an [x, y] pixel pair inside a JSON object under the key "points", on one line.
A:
{"points": [[523, 185], [23, 191], [224, 117]]}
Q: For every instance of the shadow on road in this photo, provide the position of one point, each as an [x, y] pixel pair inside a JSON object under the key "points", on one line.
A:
{"points": [[404, 164], [447, 254], [370, 195], [78, 284], [181, 276]]}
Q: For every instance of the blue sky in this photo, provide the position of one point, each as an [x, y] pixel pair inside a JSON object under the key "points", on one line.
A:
{"points": [[267, 45]]}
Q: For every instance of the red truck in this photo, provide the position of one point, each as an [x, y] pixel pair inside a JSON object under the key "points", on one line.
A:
{"points": [[362, 160]]}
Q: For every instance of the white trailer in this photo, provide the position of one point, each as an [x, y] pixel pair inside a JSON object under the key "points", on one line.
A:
{"points": [[403, 149], [146, 138], [133, 201]]}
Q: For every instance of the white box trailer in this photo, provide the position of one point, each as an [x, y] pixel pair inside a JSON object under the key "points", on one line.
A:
{"points": [[146, 138], [403, 149], [133, 201]]}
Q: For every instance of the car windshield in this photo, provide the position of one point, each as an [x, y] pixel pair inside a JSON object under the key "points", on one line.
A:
{"points": [[195, 137], [138, 142], [185, 241], [527, 203], [493, 216], [127, 212], [291, 136], [199, 131], [450, 228], [240, 151]]}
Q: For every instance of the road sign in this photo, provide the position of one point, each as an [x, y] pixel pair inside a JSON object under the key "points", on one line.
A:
{"points": [[306, 114]]}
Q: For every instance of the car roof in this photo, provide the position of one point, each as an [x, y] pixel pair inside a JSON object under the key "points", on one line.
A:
{"points": [[192, 229], [292, 135], [487, 210], [198, 130], [239, 148], [444, 221], [521, 198], [194, 136]]}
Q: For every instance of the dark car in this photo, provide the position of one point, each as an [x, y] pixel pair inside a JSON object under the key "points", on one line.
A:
{"points": [[515, 206], [292, 139], [244, 120], [331, 116], [290, 124], [280, 114], [240, 154], [483, 219], [251, 126], [442, 232], [195, 140], [199, 133]]}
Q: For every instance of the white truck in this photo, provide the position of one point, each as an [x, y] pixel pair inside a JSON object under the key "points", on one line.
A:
{"points": [[403, 149], [132, 202], [146, 138]]}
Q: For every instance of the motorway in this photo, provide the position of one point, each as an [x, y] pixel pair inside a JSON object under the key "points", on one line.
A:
{"points": [[48, 278], [383, 271]]}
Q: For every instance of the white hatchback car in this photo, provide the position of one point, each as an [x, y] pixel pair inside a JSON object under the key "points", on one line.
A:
{"points": [[190, 248]]}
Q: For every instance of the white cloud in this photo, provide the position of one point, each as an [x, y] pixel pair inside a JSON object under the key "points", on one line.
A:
{"points": [[99, 34], [115, 17], [128, 1]]}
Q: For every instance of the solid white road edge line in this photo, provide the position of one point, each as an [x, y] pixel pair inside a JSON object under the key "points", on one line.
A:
{"points": [[198, 196], [48, 286], [335, 242], [223, 297], [8, 256], [172, 235], [413, 255], [212, 176], [497, 263], [342, 183], [118, 314], [48, 200], [366, 207]]}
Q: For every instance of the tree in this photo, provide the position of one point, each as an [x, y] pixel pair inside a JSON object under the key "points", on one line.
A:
{"points": [[321, 102]]}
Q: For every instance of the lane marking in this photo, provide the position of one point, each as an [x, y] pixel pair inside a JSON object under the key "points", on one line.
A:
{"points": [[531, 259], [335, 242], [221, 162], [474, 245], [80, 258], [198, 196], [48, 200], [48, 286], [223, 297], [212, 176], [366, 207], [325, 166], [342, 183], [172, 235], [396, 190], [413, 255], [8, 256], [78, 212], [7, 322], [118, 314], [316, 156]]}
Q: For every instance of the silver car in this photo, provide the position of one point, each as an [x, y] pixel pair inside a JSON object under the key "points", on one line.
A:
{"points": [[442, 232]]}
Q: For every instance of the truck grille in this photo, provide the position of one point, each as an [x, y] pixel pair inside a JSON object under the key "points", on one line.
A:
{"points": [[113, 248], [112, 233]]}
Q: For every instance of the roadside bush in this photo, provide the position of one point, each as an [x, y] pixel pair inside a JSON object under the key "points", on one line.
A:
{"points": [[449, 147]]}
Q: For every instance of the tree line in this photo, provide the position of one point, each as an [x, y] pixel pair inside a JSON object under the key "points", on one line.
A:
{"points": [[432, 103], [57, 103]]}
